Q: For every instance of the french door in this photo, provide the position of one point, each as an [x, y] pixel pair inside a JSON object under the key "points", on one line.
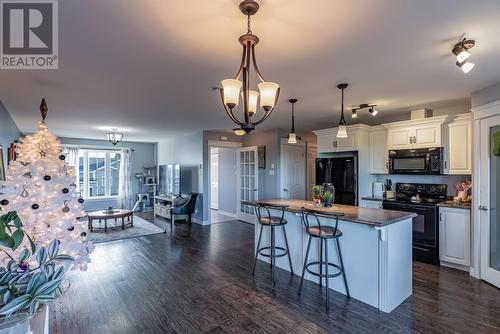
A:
{"points": [[248, 182], [489, 200]]}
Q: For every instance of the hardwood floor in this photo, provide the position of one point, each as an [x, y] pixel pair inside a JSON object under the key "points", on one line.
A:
{"points": [[198, 280]]}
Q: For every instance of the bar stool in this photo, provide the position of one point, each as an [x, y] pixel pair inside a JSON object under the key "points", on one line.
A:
{"points": [[272, 222], [324, 233]]}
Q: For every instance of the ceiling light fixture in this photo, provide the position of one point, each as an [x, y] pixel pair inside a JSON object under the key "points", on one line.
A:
{"points": [[342, 130], [372, 109], [231, 88], [114, 137], [354, 113], [461, 51], [292, 136]]}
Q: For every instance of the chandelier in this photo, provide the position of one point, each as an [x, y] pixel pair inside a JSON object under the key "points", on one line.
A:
{"points": [[232, 88], [114, 137]]}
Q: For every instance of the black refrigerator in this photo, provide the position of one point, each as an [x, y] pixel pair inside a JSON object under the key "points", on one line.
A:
{"points": [[343, 173]]}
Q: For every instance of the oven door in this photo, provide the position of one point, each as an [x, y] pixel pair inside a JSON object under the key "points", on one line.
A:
{"points": [[418, 164], [425, 229]]}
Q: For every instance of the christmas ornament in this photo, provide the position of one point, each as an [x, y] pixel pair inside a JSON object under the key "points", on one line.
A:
{"points": [[45, 209], [71, 228], [81, 200]]}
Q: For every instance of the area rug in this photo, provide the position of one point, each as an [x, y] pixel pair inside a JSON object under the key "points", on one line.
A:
{"points": [[141, 228]]}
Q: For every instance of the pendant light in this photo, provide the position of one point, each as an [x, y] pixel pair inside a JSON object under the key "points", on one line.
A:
{"points": [[342, 130], [232, 88], [292, 137], [114, 137]]}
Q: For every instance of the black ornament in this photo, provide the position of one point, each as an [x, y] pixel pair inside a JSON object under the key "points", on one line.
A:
{"points": [[62, 157], [34, 206], [65, 190], [84, 234], [47, 177], [4, 202], [71, 228], [81, 200]]}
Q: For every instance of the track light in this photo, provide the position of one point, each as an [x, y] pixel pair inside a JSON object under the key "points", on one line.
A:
{"points": [[460, 50], [354, 114], [373, 111]]}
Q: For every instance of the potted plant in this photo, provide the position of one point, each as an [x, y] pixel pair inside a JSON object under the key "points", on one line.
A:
{"points": [[30, 279]]}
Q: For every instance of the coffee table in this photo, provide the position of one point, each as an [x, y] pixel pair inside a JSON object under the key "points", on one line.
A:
{"points": [[111, 214]]}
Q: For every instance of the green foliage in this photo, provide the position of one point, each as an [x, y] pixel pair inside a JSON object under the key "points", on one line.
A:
{"points": [[327, 197], [317, 190], [11, 232], [25, 289]]}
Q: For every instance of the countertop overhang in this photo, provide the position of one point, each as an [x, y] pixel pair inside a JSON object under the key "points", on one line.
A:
{"points": [[355, 214]]}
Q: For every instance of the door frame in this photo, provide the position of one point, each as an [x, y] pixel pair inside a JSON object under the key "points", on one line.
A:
{"points": [[249, 218], [217, 144], [284, 143], [479, 259]]}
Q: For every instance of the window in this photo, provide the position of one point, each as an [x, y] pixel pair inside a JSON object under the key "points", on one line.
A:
{"points": [[99, 174]]}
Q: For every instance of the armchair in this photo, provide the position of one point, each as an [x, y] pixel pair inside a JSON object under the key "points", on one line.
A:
{"points": [[183, 206]]}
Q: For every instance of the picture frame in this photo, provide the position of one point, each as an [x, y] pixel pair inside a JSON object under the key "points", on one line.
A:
{"points": [[261, 154]]}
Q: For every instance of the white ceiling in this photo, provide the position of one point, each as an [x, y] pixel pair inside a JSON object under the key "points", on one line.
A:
{"points": [[148, 67]]}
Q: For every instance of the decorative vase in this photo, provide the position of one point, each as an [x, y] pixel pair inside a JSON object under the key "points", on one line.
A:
{"points": [[15, 324], [328, 203]]}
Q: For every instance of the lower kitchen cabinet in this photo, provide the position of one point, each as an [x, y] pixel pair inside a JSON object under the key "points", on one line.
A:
{"points": [[370, 204], [454, 235]]}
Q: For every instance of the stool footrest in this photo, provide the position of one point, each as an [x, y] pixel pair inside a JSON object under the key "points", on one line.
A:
{"points": [[339, 269], [285, 252]]}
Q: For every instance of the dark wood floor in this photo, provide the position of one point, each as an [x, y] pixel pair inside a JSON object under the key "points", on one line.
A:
{"points": [[198, 280]]}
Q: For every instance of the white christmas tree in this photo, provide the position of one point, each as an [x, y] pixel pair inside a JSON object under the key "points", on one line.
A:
{"points": [[41, 187]]}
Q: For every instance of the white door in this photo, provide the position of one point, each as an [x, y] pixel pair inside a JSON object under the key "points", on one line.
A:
{"points": [[399, 138], [489, 200], [293, 171], [427, 136], [248, 182], [214, 178]]}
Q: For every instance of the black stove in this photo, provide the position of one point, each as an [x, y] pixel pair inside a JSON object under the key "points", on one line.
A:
{"points": [[421, 199]]}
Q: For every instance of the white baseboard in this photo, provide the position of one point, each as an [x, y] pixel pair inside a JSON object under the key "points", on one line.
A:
{"points": [[229, 214], [200, 222], [455, 266]]}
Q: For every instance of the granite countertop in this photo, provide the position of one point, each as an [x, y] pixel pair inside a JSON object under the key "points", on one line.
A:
{"points": [[451, 204], [355, 214]]}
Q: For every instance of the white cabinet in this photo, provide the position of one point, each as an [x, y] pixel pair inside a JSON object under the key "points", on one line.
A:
{"points": [[421, 133], [459, 155], [370, 204], [379, 160], [454, 235], [328, 142]]}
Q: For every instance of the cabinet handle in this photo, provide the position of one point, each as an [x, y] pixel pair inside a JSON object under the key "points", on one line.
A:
{"points": [[446, 165], [483, 208], [414, 139], [411, 140]]}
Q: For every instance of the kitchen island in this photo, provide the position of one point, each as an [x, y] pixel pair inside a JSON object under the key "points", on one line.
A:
{"points": [[376, 249]]}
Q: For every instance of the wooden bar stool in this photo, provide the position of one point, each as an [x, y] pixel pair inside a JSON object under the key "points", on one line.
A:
{"points": [[324, 232], [272, 222]]}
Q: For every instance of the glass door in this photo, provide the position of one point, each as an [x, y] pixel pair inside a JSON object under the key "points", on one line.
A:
{"points": [[489, 203], [248, 181]]}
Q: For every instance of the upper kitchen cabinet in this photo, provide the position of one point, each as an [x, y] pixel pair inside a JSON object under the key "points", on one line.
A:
{"points": [[459, 142], [419, 133], [328, 141], [379, 159]]}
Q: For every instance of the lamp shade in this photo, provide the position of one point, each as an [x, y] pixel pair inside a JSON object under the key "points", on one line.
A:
{"points": [[292, 138], [253, 97], [466, 67], [342, 131], [239, 132], [268, 91], [232, 88], [462, 56]]}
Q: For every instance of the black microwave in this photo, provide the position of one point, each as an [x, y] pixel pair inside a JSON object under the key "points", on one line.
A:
{"points": [[419, 161]]}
